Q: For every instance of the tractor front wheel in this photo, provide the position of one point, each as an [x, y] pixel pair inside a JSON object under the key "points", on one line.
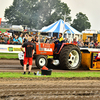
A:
{"points": [[41, 61], [70, 57]]}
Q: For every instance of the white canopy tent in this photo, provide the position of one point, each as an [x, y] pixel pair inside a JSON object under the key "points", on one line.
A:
{"points": [[59, 27]]}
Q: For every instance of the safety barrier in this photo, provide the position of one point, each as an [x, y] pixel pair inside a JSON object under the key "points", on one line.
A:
{"points": [[9, 48]]}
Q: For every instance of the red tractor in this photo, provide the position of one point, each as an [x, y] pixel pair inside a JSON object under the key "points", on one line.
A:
{"points": [[68, 56]]}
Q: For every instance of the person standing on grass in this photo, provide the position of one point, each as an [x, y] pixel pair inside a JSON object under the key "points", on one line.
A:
{"points": [[28, 54]]}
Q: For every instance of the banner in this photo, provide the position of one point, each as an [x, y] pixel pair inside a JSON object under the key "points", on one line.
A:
{"points": [[0, 21], [9, 48]]}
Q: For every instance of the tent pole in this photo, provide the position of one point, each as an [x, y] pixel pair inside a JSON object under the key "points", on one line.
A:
{"points": [[51, 34], [74, 35], [71, 36], [67, 35]]}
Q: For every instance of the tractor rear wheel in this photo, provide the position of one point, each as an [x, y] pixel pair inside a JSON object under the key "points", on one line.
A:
{"points": [[41, 61], [70, 57]]}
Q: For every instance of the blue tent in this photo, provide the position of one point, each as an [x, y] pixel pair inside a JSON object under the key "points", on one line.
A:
{"points": [[60, 27]]}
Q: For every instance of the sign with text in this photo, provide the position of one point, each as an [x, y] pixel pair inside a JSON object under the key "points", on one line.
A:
{"points": [[9, 48]]}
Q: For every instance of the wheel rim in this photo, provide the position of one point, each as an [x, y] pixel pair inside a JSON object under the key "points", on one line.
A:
{"points": [[42, 61], [73, 58], [55, 62]]}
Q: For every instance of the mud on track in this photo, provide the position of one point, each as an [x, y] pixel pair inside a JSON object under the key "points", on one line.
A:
{"points": [[46, 88]]}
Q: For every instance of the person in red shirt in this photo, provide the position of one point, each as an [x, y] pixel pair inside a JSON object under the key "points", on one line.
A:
{"points": [[28, 54], [96, 44], [8, 41], [74, 41]]}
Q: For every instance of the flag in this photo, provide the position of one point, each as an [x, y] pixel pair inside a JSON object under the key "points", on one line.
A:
{"points": [[0, 21]]}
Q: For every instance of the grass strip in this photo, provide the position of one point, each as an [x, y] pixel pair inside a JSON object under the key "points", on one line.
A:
{"points": [[53, 75], [9, 55]]}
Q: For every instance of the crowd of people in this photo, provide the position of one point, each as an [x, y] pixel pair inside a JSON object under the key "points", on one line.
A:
{"points": [[19, 40], [87, 44], [5, 39]]}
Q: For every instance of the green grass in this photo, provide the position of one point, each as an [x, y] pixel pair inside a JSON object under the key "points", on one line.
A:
{"points": [[9, 55], [77, 74], [3, 30], [53, 75]]}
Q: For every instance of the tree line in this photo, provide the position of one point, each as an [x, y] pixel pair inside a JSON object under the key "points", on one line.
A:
{"points": [[39, 13]]}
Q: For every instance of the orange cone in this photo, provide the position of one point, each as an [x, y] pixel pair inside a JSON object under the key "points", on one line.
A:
{"points": [[44, 68]]}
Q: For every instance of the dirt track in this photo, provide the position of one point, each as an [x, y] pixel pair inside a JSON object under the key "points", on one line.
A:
{"points": [[15, 66], [46, 88], [49, 89]]}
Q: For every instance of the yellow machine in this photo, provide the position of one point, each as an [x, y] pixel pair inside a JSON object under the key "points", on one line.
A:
{"points": [[90, 35], [90, 58]]}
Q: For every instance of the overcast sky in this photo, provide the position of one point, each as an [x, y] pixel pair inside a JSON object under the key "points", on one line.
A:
{"points": [[89, 7]]}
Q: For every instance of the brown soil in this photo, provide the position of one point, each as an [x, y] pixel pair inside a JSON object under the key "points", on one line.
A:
{"points": [[46, 88], [49, 89]]}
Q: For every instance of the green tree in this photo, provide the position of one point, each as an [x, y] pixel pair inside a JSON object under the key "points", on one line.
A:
{"points": [[36, 13], [81, 22]]}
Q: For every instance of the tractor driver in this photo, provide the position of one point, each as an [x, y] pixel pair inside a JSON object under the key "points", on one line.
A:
{"points": [[59, 42]]}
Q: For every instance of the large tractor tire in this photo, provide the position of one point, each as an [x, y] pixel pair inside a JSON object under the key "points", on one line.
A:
{"points": [[70, 57], [41, 61]]}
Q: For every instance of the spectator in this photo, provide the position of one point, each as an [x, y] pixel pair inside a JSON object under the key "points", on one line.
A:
{"points": [[3, 42], [28, 54], [11, 40], [36, 38], [75, 42], [41, 40], [86, 43], [14, 37], [0, 35], [25, 38], [96, 44], [51, 40], [15, 40], [66, 40], [8, 41], [20, 39], [33, 39], [91, 44], [80, 43], [55, 37], [5, 38], [46, 40]]}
